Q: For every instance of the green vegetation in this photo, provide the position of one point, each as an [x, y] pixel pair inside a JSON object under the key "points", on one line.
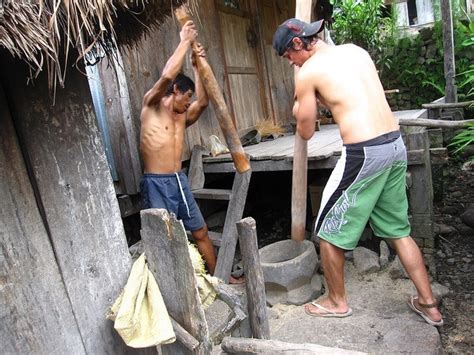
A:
{"points": [[463, 139], [413, 64]]}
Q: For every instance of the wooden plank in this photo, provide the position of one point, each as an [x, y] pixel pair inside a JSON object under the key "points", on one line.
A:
{"points": [[123, 137], [212, 194], [229, 234], [166, 248], [36, 315], [255, 284], [272, 165], [69, 168]]}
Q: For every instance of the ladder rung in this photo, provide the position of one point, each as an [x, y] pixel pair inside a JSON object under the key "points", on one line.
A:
{"points": [[212, 194]]}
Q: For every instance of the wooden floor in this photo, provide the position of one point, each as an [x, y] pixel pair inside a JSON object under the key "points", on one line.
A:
{"points": [[324, 149]]}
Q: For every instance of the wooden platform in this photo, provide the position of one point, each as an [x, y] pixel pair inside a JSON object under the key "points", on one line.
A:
{"points": [[324, 149]]}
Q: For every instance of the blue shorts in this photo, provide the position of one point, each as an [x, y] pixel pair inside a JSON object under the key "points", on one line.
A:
{"points": [[171, 192]]}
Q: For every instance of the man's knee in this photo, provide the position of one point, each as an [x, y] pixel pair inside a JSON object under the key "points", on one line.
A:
{"points": [[200, 234]]}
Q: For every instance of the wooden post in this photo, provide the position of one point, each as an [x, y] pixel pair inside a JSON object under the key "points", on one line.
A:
{"points": [[300, 160], [421, 194], [254, 278], [448, 45], [229, 234], [166, 248], [215, 95], [196, 176]]}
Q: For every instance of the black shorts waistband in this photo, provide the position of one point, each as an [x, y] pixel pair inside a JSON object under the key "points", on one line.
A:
{"points": [[382, 139]]}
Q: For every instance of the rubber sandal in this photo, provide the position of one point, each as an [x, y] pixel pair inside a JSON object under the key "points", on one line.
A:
{"points": [[328, 313], [427, 319]]}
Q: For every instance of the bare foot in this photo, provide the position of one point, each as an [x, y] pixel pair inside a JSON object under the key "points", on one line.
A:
{"points": [[327, 304], [236, 280]]}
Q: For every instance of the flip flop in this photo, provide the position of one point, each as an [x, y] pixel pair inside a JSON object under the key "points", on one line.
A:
{"points": [[328, 314], [427, 319]]}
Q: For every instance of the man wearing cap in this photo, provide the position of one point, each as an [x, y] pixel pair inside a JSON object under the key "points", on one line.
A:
{"points": [[368, 182]]}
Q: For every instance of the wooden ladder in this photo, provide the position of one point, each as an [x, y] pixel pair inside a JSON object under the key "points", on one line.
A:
{"points": [[227, 240]]}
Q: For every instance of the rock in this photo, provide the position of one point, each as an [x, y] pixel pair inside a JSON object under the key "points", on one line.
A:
{"points": [[451, 261], [365, 260], [440, 254], [349, 255], [466, 260], [457, 194], [465, 230], [396, 270], [445, 229], [439, 291], [468, 166], [468, 217], [384, 253]]}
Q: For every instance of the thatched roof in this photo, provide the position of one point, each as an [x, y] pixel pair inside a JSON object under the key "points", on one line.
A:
{"points": [[42, 32]]}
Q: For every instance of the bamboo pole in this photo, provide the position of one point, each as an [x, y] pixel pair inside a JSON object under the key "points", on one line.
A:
{"points": [[215, 95]]}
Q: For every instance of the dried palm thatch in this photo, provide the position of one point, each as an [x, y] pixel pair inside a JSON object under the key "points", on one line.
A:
{"points": [[43, 32], [267, 128]]}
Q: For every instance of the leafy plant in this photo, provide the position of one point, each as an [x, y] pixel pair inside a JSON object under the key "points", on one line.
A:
{"points": [[463, 139], [364, 24]]}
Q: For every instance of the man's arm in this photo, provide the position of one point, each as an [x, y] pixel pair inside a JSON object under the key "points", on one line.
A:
{"points": [[305, 108], [202, 100], [173, 66]]}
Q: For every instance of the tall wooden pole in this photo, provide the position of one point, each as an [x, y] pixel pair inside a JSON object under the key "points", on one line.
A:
{"points": [[300, 159], [448, 45], [215, 95]]}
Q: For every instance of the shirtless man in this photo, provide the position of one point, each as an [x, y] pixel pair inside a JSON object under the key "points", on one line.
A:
{"points": [[167, 111], [368, 182]]}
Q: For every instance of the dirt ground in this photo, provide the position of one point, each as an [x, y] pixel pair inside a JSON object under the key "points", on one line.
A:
{"points": [[454, 249], [454, 259]]}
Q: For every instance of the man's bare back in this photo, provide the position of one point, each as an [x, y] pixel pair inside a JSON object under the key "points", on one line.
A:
{"points": [[355, 97]]}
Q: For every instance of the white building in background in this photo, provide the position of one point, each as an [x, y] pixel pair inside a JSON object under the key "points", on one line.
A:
{"points": [[420, 12]]}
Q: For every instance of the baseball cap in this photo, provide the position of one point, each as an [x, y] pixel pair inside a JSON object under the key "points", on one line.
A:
{"points": [[292, 28]]}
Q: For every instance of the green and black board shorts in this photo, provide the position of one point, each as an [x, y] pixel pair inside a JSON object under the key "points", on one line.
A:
{"points": [[368, 184]]}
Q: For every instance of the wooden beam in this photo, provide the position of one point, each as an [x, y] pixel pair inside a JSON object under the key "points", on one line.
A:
{"points": [[425, 122], [166, 248], [260, 346], [229, 234], [183, 336], [449, 104], [255, 283], [215, 95]]}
